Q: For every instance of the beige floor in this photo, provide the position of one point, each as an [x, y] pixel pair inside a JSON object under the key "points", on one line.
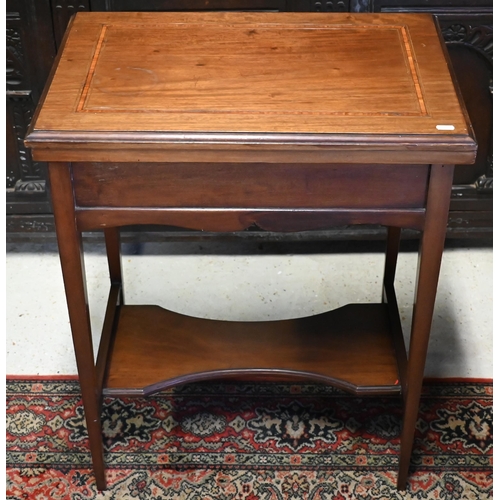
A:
{"points": [[226, 281]]}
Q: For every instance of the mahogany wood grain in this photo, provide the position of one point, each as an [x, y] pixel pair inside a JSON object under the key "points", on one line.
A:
{"points": [[230, 220], [112, 241], [391, 253], [389, 298], [71, 255], [215, 185], [430, 254], [350, 347], [241, 150], [244, 83], [107, 334]]}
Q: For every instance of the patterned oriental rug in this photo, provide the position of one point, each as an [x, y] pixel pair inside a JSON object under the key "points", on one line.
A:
{"points": [[245, 441]]}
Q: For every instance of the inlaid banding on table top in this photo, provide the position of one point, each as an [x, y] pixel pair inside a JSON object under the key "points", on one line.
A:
{"points": [[202, 81]]}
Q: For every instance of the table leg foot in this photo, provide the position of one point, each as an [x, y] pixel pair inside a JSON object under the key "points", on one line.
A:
{"points": [[402, 480]]}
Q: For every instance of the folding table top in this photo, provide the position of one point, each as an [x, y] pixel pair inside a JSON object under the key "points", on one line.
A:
{"points": [[233, 81]]}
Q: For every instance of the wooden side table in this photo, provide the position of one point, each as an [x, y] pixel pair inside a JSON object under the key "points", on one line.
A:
{"points": [[223, 121]]}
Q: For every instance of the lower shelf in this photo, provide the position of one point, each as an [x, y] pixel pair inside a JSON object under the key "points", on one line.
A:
{"points": [[350, 347]]}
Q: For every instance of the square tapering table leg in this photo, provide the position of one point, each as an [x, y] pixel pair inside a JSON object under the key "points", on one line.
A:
{"points": [[430, 253], [71, 255]]}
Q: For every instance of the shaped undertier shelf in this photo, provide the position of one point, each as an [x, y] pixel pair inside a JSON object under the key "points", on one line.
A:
{"points": [[351, 347]]}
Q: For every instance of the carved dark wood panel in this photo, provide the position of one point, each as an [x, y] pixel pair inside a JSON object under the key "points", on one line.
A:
{"points": [[30, 176], [330, 5], [30, 45], [26, 179], [30, 51], [62, 10], [470, 44], [183, 5], [17, 74]]}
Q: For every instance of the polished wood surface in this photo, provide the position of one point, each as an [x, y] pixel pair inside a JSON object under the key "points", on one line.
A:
{"points": [[235, 197], [350, 347], [431, 251], [183, 140], [229, 220], [215, 185], [250, 83], [75, 285]]}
